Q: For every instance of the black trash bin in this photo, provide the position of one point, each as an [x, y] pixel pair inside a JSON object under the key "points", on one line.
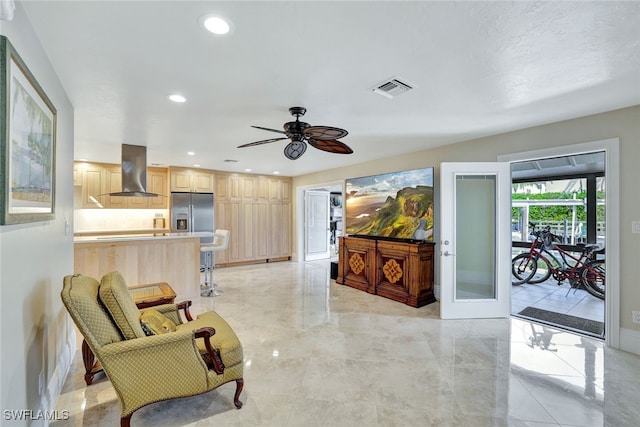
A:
{"points": [[334, 270]]}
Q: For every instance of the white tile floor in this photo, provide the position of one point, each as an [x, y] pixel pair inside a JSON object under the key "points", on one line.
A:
{"points": [[560, 299], [321, 354]]}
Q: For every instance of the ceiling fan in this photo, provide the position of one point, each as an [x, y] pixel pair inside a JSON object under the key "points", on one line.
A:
{"points": [[300, 133]]}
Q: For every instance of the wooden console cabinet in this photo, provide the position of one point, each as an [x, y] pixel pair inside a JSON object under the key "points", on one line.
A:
{"points": [[398, 270]]}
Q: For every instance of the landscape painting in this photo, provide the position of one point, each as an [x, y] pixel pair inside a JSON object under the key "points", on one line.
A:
{"points": [[397, 205], [28, 146]]}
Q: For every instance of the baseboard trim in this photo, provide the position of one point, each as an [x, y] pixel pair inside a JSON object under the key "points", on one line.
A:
{"points": [[50, 398], [630, 341]]}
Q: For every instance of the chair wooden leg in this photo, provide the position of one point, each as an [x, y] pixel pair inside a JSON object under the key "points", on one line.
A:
{"points": [[236, 397], [91, 366], [125, 421]]}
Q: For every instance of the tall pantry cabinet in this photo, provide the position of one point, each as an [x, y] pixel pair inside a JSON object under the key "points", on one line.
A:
{"points": [[257, 211]]}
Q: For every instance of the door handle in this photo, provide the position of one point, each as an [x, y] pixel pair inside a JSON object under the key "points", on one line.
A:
{"points": [[446, 253]]}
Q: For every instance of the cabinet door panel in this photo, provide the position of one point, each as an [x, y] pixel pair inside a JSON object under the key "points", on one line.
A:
{"points": [[261, 230], [92, 186], [181, 181], [228, 217], [248, 232], [248, 188], [222, 188], [114, 184], [157, 183], [203, 182], [235, 187]]}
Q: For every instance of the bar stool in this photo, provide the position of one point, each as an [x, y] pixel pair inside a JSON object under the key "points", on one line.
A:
{"points": [[220, 243]]}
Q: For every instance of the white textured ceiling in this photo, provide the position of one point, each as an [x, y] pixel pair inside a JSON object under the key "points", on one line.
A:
{"points": [[480, 68]]}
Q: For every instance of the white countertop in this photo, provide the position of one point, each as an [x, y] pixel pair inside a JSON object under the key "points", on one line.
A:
{"points": [[134, 237]]}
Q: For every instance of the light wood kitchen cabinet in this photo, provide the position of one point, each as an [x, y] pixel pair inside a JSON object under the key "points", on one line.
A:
{"points": [[279, 190], [229, 187], [280, 238], [255, 231], [191, 181], [228, 216], [258, 215], [113, 180], [99, 179], [158, 182], [77, 175], [93, 184]]}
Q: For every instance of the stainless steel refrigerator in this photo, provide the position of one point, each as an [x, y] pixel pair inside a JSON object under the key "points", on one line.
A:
{"points": [[192, 212]]}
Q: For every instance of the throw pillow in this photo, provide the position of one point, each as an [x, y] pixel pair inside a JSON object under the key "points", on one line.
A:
{"points": [[156, 322]]}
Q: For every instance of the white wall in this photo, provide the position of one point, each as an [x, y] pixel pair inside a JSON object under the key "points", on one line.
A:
{"points": [[35, 330], [623, 124]]}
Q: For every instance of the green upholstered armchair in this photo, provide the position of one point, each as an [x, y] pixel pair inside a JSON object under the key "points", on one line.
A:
{"points": [[198, 356]]}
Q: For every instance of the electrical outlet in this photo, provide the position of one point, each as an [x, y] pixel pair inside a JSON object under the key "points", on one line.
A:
{"points": [[41, 383], [635, 316]]}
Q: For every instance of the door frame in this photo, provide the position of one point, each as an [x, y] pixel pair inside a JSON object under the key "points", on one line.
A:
{"points": [[611, 147], [300, 212]]}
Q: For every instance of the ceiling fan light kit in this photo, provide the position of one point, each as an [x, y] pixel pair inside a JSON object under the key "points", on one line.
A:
{"points": [[300, 133]]}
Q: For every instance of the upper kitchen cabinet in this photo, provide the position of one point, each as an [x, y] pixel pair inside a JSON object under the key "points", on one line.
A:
{"points": [[93, 185], [191, 180], [228, 187], [113, 180], [158, 182], [97, 180], [280, 190], [77, 175]]}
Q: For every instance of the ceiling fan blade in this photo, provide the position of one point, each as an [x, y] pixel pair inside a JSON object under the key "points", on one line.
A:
{"points": [[332, 146], [265, 141], [324, 133], [270, 130]]}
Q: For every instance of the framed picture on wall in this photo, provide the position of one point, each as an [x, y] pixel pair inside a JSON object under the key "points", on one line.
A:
{"points": [[27, 145]]}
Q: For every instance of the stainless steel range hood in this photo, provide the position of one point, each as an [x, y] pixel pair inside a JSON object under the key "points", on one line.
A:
{"points": [[134, 172]]}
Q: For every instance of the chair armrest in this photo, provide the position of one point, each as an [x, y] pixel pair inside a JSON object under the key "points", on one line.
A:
{"points": [[170, 361], [206, 333], [173, 311], [184, 305]]}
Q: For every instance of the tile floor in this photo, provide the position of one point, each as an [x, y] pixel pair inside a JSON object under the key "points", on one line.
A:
{"points": [[560, 299], [318, 354]]}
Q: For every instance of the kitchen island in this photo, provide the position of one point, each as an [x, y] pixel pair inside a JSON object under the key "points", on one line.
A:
{"points": [[173, 258]]}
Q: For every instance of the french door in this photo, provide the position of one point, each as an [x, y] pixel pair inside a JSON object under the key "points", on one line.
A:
{"points": [[475, 240]]}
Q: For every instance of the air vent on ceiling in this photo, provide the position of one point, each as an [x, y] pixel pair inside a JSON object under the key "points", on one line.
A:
{"points": [[392, 87]]}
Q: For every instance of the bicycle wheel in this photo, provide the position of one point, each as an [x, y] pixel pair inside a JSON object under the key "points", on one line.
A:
{"points": [[544, 270], [523, 268], [593, 278]]}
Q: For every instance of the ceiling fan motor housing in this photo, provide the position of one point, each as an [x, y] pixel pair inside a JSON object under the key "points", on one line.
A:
{"points": [[296, 127]]}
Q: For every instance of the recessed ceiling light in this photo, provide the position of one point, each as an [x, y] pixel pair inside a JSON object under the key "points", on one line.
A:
{"points": [[196, 166], [247, 170], [191, 153], [216, 24], [177, 98], [276, 172]]}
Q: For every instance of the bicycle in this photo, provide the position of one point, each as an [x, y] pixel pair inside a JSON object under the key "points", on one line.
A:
{"points": [[536, 243], [582, 271]]}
